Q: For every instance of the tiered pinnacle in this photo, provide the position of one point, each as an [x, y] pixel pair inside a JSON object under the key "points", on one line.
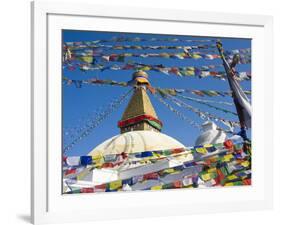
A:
{"points": [[140, 113]]}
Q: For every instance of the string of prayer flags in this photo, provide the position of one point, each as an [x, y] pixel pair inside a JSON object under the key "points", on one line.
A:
{"points": [[134, 39], [90, 46], [205, 115], [114, 57], [79, 83], [207, 104], [219, 172], [179, 114], [202, 93], [82, 161], [205, 100], [120, 57], [162, 91], [189, 71]]}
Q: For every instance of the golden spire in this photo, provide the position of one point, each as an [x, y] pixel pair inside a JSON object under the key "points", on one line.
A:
{"points": [[139, 113]]}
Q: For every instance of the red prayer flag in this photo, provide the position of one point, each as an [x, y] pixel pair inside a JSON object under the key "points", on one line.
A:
{"points": [[150, 176], [247, 182], [178, 184], [87, 190], [228, 144], [70, 171]]}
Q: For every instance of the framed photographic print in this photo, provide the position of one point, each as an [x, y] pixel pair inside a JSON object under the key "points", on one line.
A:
{"points": [[162, 114]]}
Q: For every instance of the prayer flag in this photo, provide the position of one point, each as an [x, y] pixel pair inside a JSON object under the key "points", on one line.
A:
{"points": [[86, 160], [73, 161]]}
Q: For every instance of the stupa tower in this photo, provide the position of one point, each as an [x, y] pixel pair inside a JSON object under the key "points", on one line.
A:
{"points": [[140, 128], [140, 113]]}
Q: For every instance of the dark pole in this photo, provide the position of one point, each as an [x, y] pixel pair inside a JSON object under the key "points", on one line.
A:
{"points": [[230, 73]]}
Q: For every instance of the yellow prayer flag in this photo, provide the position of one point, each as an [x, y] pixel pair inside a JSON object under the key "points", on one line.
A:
{"points": [[228, 157], [232, 177], [191, 68], [169, 170], [206, 176], [145, 68], [159, 187], [212, 170], [157, 155], [196, 56], [99, 162], [96, 157], [87, 59], [245, 163], [229, 184], [190, 73], [115, 184], [202, 150]]}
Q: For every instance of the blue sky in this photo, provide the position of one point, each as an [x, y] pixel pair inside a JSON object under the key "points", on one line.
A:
{"points": [[80, 103]]}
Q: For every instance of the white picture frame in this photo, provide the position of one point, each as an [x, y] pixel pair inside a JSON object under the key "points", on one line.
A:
{"points": [[47, 202]]}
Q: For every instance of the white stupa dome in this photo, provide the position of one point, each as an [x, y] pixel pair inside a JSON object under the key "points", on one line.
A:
{"points": [[210, 134], [136, 141]]}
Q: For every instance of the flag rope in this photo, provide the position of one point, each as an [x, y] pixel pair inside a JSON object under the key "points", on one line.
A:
{"points": [[100, 118], [204, 115]]}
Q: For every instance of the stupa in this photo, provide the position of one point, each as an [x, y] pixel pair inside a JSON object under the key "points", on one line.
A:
{"points": [[140, 131], [140, 127], [210, 134]]}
